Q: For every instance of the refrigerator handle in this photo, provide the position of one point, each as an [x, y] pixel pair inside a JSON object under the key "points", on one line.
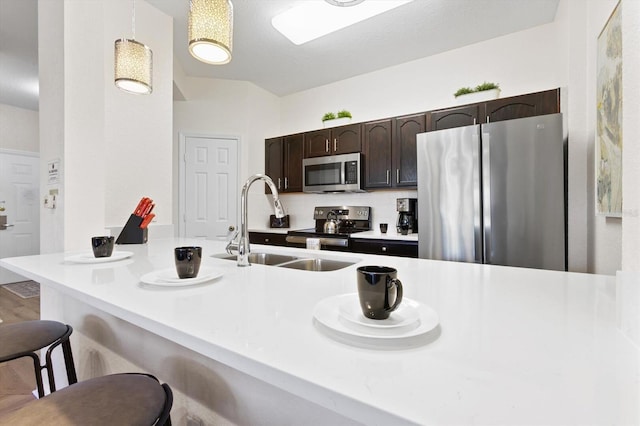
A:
{"points": [[486, 195], [477, 197]]}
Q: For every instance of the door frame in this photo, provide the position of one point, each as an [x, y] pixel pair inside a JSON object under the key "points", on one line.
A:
{"points": [[182, 210]]}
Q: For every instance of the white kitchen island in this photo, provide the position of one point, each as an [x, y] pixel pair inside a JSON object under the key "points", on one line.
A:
{"points": [[513, 345]]}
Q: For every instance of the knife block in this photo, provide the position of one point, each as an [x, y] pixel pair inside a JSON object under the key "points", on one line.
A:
{"points": [[132, 233]]}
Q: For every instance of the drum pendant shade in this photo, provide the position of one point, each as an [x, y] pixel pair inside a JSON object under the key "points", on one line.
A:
{"points": [[211, 30]]}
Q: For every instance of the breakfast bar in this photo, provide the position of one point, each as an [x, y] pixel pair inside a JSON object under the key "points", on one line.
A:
{"points": [[508, 346]]}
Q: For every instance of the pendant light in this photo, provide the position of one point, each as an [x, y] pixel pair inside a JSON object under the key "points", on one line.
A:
{"points": [[211, 30], [133, 67]]}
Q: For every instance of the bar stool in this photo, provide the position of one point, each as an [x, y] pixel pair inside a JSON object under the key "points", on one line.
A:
{"points": [[134, 399], [25, 338]]}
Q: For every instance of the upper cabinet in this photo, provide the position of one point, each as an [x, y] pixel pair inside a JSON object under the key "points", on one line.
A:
{"points": [[389, 148], [466, 115], [404, 149], [338, 140], [283, 162], [539, 103], [377, 154]]}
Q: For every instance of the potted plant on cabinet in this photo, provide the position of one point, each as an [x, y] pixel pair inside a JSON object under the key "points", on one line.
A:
{"points": [[482, 92], [331, 120]]}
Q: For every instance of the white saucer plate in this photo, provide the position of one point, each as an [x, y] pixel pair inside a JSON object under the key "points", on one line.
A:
{"points": [[340, 315], [169, 277], [90, 258]]}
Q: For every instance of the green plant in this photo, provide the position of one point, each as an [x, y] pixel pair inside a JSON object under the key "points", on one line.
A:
{"points": [[486, 86], [328, 116], [344, 113], [463, 91]]}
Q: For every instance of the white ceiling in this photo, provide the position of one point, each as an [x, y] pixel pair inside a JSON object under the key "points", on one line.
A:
{"points": [[266, 58]]}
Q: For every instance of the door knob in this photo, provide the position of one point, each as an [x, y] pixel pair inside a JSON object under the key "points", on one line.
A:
{"points": [[232, 228]]}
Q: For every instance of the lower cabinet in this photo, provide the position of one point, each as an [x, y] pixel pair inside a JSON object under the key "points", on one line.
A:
{"points": [[389, 247], [400, 248], [269, 238]]}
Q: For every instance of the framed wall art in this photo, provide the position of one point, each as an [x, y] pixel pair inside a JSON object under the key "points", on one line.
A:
{"points": [[609, 117]]}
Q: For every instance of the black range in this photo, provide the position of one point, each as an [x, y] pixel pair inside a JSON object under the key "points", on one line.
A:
{"points": [[346, 220]]}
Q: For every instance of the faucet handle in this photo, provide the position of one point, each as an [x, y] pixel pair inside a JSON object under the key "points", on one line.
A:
{"points": [[232, 244]]}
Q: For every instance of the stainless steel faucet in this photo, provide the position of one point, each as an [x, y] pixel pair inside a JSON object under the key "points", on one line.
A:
{"points": [[240, 240]]}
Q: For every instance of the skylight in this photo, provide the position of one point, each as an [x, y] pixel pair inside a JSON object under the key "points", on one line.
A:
{"points": [[313, 19]]}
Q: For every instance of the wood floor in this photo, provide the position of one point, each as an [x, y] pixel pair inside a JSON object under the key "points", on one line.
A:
{"points": [[16, 377]]}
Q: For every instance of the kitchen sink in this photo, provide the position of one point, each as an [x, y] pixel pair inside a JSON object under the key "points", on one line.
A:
{"points": [[261, 258], [316, 264]]}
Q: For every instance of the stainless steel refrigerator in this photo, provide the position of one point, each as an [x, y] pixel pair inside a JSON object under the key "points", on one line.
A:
{"points": [[494, 193]]}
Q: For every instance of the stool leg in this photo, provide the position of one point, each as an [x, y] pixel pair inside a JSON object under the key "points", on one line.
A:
{"points": [[68, 362], [37, 369]]}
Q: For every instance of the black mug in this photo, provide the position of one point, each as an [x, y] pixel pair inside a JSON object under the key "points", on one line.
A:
{"points": [[102, 246], [378, 287], [188, 261]]}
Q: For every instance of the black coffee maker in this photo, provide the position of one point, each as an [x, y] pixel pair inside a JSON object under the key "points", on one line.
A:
{"points": [[407, 215]]}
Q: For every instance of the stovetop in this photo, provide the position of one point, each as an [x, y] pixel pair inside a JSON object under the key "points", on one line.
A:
{"points": [[349, 220]]}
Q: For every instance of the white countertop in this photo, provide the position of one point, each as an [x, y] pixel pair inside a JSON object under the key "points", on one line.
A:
{"points": [[513, 346]]}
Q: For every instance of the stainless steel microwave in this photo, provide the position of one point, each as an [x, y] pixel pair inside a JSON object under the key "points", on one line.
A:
{"points": [[334, 173]]}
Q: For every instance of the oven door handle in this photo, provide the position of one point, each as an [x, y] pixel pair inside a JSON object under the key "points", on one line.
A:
{"points": [[335, 242]]}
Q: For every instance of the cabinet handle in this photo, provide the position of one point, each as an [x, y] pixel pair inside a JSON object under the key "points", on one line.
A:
{"points": [[487, 118], [286, 183], [335, 144], [474, 121], [384, 248], [397, 175], [326, 145], [388, 175], [279, 184], [266, 240]]}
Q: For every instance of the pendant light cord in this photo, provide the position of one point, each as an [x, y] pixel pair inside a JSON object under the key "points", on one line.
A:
{"points": [[133, 20]]}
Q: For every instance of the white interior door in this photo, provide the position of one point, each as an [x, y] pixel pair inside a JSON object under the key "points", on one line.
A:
{"points": [[210, 186], [19, 195]]}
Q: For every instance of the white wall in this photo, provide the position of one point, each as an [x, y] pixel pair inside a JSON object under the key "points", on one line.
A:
{"points": [[113, 147], [19, 129]]}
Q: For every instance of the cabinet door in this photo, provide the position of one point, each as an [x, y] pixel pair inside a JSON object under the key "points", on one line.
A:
{"points": [[273, 162], [292, 167], [404, 149], [316, 144], [540, 103], [377, 154], [448, 118], [346, 139]]}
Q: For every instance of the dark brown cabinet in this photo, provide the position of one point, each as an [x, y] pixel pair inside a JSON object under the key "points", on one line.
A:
{"points": [[531, 104], [404, 149], [268, 238], [377, 154], [283, 162], [466, 115], [338, 140], [400, 248], [389, 148]]}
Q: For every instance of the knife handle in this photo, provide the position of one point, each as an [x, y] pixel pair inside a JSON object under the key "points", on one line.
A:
{"points": [[147, 220]]}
